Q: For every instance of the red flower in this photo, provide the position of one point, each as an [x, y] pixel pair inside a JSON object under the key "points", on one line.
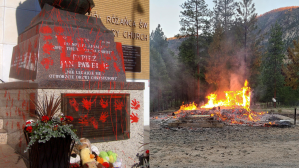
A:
{"points": [[147, 152], [29, 129], [61, 119], [70, 118], [105, 164], [28, 122], [45, 118]]}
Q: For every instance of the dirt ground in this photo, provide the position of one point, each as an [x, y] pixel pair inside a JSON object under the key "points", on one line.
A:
{"points": [[227, 147]]}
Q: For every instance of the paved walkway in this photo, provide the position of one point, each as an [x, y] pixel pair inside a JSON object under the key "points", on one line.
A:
{"points": [[10, 159]]}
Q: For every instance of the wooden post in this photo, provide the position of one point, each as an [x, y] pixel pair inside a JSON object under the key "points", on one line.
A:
{"points": [[295, 117]]}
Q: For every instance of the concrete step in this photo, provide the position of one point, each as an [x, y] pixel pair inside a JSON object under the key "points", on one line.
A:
{"points": [[10, 159], [1, 123], [3, 136]]}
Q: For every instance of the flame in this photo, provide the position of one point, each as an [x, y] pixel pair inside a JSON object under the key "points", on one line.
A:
{"points": [[239, 98], [233, 98], [190, 106]]}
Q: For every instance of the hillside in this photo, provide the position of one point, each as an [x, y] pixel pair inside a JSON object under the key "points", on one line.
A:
{"points": [[174, 44], [288, 19]]}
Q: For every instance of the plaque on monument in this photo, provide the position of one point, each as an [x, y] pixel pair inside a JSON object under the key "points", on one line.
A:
{"points": [[99, 117], [61, 45], [132, 58]]}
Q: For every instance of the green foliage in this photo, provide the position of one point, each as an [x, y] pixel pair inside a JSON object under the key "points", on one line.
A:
{"points": [[272, 62], [224, 12], [44, 131], [247, 22], [162, 67], [292, 68], [192, 19], [187, 54]]}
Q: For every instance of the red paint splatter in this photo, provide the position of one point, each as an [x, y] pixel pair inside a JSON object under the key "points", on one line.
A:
{"points": [[93, 122], [48, 47], [134, 118], [120, 52], [7, 114], [58, 29], [46, 30], [24, 103], [20, 144], [113, 56], [103, 103], [74, 104], [6, 124], [116, 67], [5, 93], [46, 38], [87, 103], [18, 125], [12, 125], [107, 56], [118, 105], [135, 104], [103, 67], [19, 95], [24, 117], [46, 62], [83, 120], [103, 117], [35, 43]]}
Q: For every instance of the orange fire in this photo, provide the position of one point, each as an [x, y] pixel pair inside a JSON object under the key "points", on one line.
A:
{"points": [[239, 98], [233, 99]]}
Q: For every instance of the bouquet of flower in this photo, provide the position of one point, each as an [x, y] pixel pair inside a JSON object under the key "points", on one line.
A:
{"points": [[48, 124]]}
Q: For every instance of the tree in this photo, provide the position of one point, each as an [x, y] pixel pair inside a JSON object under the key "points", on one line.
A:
{"points": [[162, 72], [292, 69], [158, 40], [247, 19], [195, 17], [272, 63], [224, 12]]}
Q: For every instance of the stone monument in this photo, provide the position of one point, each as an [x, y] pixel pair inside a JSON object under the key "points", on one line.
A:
{"points": [[74, 56]]}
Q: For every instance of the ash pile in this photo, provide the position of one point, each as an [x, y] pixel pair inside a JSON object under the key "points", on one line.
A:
{"points": [[218, 118]]}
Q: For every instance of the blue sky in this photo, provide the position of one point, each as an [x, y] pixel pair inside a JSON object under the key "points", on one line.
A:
{"points": [[166, 12]]}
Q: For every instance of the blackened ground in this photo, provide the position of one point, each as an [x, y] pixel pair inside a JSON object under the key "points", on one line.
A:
{"points": [[230, 146]]}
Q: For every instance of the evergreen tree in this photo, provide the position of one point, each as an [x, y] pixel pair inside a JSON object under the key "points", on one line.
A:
{"points": [[247, 20], [272, 63], [292, 69], [224, 12], [195, 21], [195, 17], [159, 40], [162, 71]]}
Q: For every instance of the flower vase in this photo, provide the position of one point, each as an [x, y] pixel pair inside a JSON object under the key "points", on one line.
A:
{"points": [[54, 153]]}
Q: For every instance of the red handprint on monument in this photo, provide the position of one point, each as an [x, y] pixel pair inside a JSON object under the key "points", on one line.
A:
{"points": [[103, 117], [118, 105], [135, 104], [74, 104], [87, 103], [103, 103], [134, 118]]}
